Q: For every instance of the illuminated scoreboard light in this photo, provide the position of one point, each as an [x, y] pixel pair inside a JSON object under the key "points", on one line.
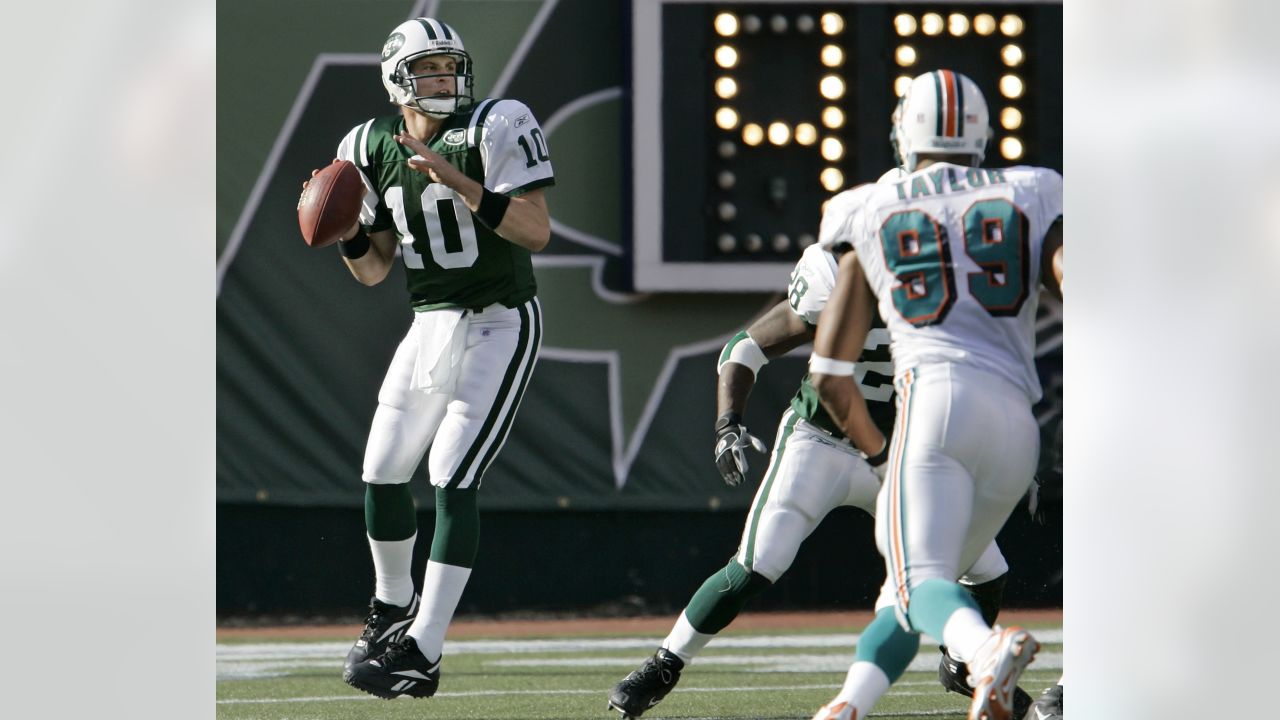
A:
{"points": [[748, 117]]}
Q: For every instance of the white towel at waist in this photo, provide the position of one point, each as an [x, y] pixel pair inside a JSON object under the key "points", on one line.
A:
{"points": [[442, 339]]}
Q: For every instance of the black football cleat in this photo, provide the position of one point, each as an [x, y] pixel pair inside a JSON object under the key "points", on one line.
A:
{"points": [[401, 670], [1047, 707], [384, 625], [954, 676], [646, 687]]}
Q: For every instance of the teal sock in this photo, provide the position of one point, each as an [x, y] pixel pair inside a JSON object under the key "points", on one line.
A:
{"points": [[888, 645], [722, 596], [389, 513], [457, 535], [933, 602]]}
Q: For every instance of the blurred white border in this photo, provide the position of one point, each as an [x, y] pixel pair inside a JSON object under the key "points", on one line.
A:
{"points": [[107, 359], [1170, 128]]}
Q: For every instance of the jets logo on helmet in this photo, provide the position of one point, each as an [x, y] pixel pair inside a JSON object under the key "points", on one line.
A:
{"points": [[419, 38], [941, 112]]}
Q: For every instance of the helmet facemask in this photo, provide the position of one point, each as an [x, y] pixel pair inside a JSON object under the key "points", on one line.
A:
{"points": [[438, 106]]}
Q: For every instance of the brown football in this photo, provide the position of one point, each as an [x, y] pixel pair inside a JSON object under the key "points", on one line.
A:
{"points": [[330, 204]]}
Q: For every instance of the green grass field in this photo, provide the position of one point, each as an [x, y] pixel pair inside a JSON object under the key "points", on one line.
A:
{"points": [[740, 675]]}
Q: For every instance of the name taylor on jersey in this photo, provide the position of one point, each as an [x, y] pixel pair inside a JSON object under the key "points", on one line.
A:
{"points": [[947, 179]]}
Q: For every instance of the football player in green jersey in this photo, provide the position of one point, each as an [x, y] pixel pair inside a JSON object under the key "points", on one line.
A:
{"points": [[814, 469], [457, 186]]}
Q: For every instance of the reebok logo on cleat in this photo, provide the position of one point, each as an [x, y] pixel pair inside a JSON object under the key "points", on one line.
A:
{"points": [[393, 631]]}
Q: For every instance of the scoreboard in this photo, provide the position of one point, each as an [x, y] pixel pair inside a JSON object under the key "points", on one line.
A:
{"points": [[746, 117]]}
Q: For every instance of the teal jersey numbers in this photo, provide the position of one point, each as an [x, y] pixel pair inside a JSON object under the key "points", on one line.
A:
{"points": [[450, 257], [995, 238], [918, 255]]}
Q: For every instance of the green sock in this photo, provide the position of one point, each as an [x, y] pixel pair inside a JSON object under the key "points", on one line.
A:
{"points": [[722, 596], [388, 512], [457, 535]]}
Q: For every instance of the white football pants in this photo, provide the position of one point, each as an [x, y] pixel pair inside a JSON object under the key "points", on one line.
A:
{"points": [[963, 454], [810, 474], [465, 428]]}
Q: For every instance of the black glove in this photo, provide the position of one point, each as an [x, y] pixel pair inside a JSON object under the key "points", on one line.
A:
{"points": [[732, 441]]}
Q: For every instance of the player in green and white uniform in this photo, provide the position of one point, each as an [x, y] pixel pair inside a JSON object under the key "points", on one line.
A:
{"points": [[457, 187], [814, 469]]}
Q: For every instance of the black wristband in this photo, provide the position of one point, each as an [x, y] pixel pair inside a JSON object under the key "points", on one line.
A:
{"points": [[729, 419], [493, 207], [356, 247], [878, 459]]}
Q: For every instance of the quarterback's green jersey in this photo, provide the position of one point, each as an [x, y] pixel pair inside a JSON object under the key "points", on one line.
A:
{"points": [[451, 258]]}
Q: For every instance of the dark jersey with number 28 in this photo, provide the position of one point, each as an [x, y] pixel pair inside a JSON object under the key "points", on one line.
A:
{"points": [[452, 259], [811, 284]]}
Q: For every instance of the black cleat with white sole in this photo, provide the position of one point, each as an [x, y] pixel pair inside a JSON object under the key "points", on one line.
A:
{"points": [[954, 676], [401, 670], [384, 625], [646, 687], [1047, 707]]}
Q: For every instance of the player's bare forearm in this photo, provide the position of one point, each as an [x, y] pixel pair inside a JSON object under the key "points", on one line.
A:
{"points": [[733, 388], [776, 333], [843, 401], [527, 222], [842, 331], [373, 267], [779, 331]]}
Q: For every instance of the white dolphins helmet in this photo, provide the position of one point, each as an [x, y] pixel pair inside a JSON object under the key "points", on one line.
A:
{"points": [[941, 112], [418, 38]]}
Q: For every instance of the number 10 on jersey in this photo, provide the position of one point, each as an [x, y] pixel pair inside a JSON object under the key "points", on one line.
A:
{"points": [[446, 224]]}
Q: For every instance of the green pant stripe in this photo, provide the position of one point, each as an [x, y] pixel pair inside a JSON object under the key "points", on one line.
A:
{"points": [[491, 420], [492, 452], [758, 510]]}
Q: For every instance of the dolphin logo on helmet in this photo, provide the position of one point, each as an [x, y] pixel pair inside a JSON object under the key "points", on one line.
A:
{"points": [[941, 112], [419, 38]]}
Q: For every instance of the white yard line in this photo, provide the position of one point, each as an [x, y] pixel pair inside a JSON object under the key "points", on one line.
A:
{"points": [[592, 691]]}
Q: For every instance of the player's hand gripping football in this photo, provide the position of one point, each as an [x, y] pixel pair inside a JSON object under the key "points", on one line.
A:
{"points": [[732, 441], [302, 200], [427, 161]]}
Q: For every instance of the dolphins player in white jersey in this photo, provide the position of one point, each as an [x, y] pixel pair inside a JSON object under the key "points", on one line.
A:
{"points": [[814, 469], [953, 255]]}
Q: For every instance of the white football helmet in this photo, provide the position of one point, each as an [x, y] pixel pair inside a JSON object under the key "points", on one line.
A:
{"points": [[941, 112], [418, 38]]}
